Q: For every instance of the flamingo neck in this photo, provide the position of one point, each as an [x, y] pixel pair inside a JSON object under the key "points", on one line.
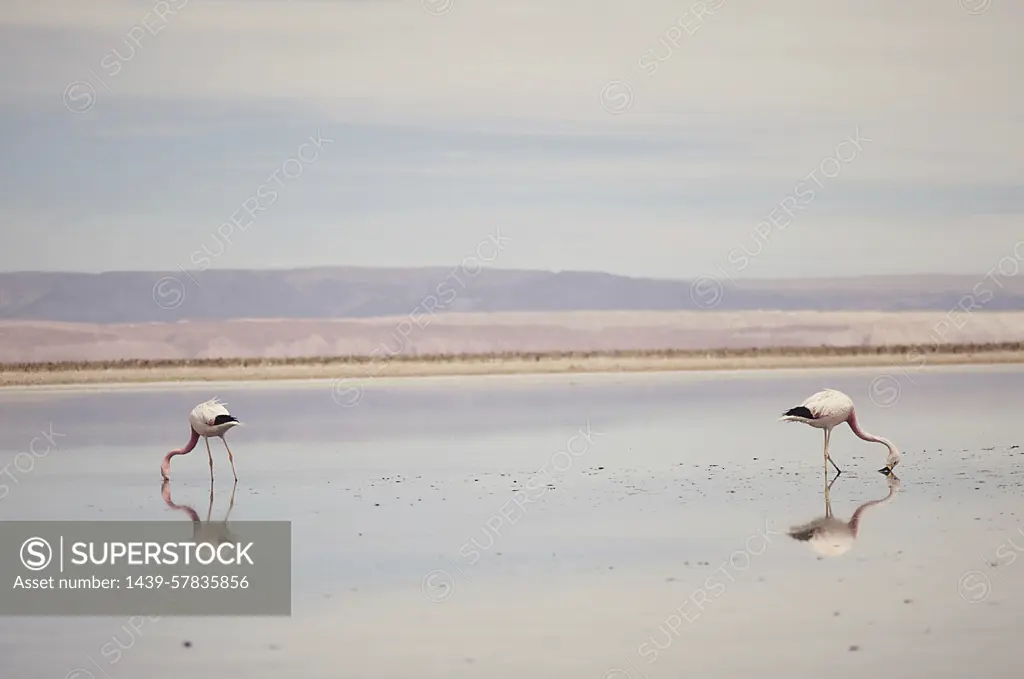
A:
{"points": [[855, 427], [183, 451], [858, 515]]}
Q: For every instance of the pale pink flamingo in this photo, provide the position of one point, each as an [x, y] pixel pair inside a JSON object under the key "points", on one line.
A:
{"points": [[829, 536], [829, 408], [206, 419]]}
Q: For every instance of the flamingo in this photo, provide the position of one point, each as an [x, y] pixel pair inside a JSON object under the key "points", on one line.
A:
{"points": [[207, 419], [829, 536], [828, 408]]}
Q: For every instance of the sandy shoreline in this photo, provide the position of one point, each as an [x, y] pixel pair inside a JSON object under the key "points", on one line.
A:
{"points": [[470, 366]]}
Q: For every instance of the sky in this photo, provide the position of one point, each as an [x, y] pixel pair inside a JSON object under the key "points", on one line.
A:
{"points": [[638, 137]]}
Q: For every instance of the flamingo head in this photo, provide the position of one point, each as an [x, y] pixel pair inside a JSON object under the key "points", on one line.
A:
{"points": [[892, 460]]}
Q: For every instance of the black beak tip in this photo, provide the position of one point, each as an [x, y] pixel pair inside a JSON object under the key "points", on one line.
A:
{"points": [[885, 470]]}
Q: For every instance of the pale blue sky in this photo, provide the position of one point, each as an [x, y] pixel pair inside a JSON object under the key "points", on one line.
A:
{"points": [[490, 115]]}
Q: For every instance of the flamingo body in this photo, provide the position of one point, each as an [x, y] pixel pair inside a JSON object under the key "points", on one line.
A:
{"points": [[823, 410], [829, 408], [212, 418]]}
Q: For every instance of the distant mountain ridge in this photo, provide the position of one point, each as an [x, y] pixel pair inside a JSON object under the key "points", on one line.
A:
{"points": [[354, 293]]}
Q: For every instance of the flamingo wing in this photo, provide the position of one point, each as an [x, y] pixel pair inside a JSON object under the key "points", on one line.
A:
{"points": [[208, 412], [827, 403]]}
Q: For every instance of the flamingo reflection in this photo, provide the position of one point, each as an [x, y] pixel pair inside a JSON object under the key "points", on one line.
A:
{"points": [[215, 532], [829, 536]]}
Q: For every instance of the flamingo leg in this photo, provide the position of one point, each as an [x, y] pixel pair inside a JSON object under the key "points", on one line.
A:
{"points": [[209, 509], [828, 458], [230, 457], [824, 461], [209, 454]]}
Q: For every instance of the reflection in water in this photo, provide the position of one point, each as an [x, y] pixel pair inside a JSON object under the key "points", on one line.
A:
{"points": [[215, 532], [829, 536]]}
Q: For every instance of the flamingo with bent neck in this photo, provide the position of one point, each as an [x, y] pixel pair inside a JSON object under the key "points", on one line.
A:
{"points": [[829, 408], [210, 418], [829, 536]]}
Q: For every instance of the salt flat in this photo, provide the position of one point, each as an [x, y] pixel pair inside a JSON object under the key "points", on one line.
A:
{"points": [[466, 333], [659, 547]]}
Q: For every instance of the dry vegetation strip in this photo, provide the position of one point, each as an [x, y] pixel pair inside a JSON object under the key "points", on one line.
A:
{"points": [[363, 367], [906, 351]]}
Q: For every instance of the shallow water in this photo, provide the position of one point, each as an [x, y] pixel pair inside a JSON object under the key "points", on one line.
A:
{"points": [[657, 548]]}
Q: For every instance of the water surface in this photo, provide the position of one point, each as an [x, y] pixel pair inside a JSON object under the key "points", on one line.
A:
{"points": [[441, 527]]}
